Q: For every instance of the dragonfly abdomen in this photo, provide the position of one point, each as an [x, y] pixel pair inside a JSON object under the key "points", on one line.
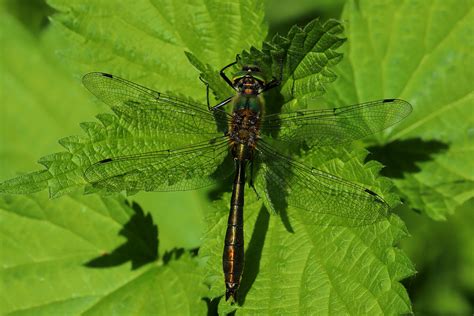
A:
{"points": [[233, 256]]}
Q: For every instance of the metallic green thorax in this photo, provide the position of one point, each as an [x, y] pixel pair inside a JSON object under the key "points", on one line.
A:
{"points": [[249, 83], [249, 102]]}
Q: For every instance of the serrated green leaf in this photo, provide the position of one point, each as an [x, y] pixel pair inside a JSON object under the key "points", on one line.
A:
{"points": [[426, 59], [80, 19], [91, 22], [280, 275], [155, 36], [147, 43], [37, 100], [130, 132], [69, 256], [295, 266], [302, 60], [443, 184]]}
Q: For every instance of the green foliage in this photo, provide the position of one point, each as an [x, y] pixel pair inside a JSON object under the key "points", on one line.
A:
{"points": [[146, 44], [302, 60], [90, 255], [292, 265], [65, 170], [43, 102], [442, 253], [35, 112], [281, 15], [425, 59]]}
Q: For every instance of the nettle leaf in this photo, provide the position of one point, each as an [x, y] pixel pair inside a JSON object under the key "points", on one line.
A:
{"points": [[342, 253], [42, 103], [90, 255], [394, 52], [302, 60], [145, 41], [96, 39], [444, 183], [296, 266], [293, 263], [130, 131], [37, 100]]}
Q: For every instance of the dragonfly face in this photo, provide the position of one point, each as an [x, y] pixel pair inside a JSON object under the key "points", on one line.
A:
{"points": [[178, 168]]}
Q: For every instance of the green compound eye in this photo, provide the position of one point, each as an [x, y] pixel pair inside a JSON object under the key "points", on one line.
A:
{"points": [[259, 76], [239, 75]]}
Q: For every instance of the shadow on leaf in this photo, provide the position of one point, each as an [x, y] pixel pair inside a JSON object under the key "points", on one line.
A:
{"points": [[402, 156], [140, 248], [254, 254]]}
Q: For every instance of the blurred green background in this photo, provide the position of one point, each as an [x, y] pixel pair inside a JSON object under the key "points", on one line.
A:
{"points": [[37, 91]]}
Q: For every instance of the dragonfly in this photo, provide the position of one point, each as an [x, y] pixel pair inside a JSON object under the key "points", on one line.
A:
{"points": [[251, 139]]}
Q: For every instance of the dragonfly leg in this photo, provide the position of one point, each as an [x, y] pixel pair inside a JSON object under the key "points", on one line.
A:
{"points": [[251, 184], [275, 82], [207, 92], [224, 76], [221, 104], [215, 107], [272, 84]]}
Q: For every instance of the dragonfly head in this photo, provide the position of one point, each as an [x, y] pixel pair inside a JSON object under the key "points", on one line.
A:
{"points": [[249, 80]]}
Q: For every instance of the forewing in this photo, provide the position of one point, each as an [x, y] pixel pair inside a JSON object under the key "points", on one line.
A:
{"points": [[135, 102], [336, 126], [328, 199], [180, 169]]}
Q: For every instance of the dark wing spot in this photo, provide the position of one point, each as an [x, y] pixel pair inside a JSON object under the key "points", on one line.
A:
{"points": [[106, 160], [371, 192], [106, 75], [388, 100], [377, 197]]}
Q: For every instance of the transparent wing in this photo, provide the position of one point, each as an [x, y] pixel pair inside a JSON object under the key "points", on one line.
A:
{"points": [[335, 126], [180, 169], [342, 202], [133, 101]]}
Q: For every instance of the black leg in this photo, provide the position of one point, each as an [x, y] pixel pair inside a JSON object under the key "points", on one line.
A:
{"points": [[251, 184], [275, 82], [207, 92], [224, 76], [221, 104], [272, 84]]}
